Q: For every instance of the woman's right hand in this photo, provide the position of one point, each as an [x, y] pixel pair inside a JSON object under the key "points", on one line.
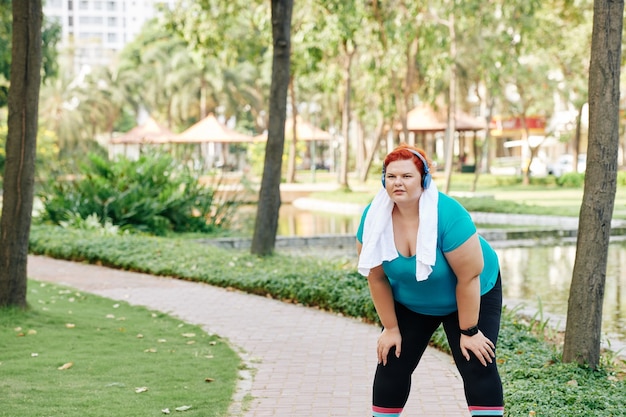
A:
{"points": [[390, 337]]}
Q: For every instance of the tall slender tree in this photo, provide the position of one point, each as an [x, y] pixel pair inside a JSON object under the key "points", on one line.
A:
{"points": [[584, 310], [18, 187], [266, 224]]}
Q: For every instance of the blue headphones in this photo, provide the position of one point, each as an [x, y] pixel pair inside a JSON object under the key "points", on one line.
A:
{"points": [[426, 178]]}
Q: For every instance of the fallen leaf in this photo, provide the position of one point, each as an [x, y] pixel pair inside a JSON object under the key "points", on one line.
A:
{"points": [[21, 334], [183, 408], [161, 340], [189, 335], [572, 383], [139, 390], [65, 366], [34, 355], [139, 336], [209, 380], [32, 332], [191, 342], [110, 316], [116, 305], [165, 411], [212, 343], [18, 329], [70, 325], [150, 350]]}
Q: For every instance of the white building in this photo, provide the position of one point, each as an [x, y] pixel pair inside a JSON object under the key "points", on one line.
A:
{"points": [[94, 31]]}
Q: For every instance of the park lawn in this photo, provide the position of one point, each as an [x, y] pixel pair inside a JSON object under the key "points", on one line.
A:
{"points": [[541, 198], [75, 354]]}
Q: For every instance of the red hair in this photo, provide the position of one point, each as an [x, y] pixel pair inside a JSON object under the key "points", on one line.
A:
{"points": [[404, 152]]}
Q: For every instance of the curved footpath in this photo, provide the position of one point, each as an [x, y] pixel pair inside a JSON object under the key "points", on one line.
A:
{"points": [[305, 362]]}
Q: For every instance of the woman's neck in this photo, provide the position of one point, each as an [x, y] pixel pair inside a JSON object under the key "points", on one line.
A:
{"points": [[407, 210]]}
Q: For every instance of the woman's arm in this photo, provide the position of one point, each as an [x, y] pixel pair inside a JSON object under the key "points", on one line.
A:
{"points": [[382, 297], [467, 263]]}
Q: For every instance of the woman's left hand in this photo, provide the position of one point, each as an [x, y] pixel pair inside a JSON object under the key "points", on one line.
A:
{"points": [[480, 346]]}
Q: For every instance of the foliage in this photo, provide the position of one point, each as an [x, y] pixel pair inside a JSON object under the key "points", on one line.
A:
{"points": [[571, 179], [538, 383], [310, 281], [6, 19], [492, 205], [92, 222], [51, 34], [151, 195], [101, 352], [47, 158], [535, 381]]}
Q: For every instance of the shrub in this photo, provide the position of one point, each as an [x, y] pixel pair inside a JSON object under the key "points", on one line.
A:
{"points": [[152, 195], [571, 179]]}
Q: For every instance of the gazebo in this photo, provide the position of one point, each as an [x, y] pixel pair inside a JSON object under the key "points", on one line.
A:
{"points": [[213, 138], [131, 143], [423, 120], [305, 132]]}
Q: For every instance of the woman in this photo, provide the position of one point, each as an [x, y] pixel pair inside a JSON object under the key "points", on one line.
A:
{"points": [[425, 266]]}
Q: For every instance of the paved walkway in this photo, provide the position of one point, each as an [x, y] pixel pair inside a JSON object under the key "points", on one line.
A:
{"points": [[307, 363]]}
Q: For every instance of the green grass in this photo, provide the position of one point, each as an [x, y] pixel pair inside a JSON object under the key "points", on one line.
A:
{"points": [[111, 351], [495, 194]]}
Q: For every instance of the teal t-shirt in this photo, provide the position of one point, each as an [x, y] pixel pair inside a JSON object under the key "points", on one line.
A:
{"points": [[436, 296]]}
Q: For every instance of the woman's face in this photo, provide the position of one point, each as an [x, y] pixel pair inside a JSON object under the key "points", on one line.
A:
{"points": [[403, 181]]}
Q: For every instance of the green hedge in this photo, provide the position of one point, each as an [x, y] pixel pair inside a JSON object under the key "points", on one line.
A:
{"points": [[310, 281]]}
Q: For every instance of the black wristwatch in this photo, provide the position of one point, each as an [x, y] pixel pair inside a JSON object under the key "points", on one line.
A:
{"points": [[471, 331]]}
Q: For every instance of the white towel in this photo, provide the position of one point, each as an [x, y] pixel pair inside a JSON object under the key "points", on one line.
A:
{"points": [[378, 240]]}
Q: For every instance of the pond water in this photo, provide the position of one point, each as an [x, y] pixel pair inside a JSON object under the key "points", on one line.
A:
{"points": [[540, 276], [536, 276]]}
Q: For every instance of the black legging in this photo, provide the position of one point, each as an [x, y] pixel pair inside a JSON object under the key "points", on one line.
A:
{"points": [[483, 386]]}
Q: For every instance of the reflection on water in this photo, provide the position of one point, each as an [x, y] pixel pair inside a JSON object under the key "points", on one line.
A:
{"points": [[301, 223], [295, 222], [544, 273], [539, 276]]}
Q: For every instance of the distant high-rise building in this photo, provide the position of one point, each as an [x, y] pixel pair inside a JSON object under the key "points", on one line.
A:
{"points": [[94, 31]]}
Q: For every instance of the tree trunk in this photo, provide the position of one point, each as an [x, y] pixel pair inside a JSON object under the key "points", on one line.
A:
{"points": [[345, 121], [19, 174], [451, 129], [293, 144], [482, 157], [266, 223], [367, 163], [584, 312]]}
